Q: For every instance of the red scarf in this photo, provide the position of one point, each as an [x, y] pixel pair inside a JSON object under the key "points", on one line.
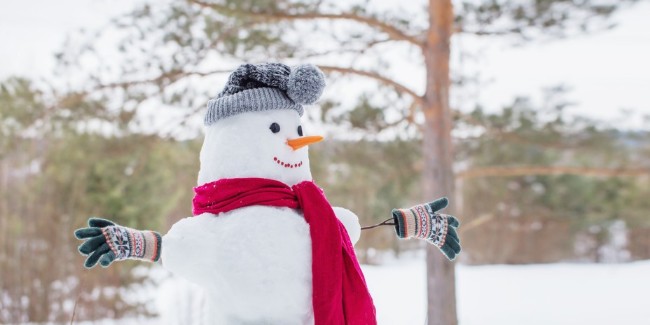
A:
{"points": [[340, 294]]}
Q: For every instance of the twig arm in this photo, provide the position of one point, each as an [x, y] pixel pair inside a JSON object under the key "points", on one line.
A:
{"points": [[387, 222]]}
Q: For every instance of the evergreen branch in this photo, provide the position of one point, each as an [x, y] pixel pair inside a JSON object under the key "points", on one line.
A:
{"points": [[484, 32], [392, 31], [373, 75], [500, 135], [509, 171], [171, 76], [169, 134], [358, 51]]}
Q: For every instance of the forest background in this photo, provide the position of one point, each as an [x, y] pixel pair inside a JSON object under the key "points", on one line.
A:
{"points": [[538, 174]]}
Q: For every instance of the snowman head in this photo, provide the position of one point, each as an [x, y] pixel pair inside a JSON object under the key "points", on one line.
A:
{"points": [[253, 126]]}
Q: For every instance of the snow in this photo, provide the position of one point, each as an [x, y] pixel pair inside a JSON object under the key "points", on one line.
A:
{"points": [[519, 294], [235, 256], [243, 146], [251, 266], [351, 223], [545, 294], [499, 294]]}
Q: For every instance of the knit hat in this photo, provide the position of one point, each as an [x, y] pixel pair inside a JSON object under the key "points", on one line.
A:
{"points": [[266, 86]]}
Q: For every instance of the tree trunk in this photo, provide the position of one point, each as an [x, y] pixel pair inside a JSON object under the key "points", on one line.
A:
{"points": [[437, 149]]}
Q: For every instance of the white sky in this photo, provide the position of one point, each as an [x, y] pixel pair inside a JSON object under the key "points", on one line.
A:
{"points": [[606, 72]]}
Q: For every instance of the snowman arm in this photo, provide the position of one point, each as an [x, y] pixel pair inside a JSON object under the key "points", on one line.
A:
{"points": [[350, 221]]}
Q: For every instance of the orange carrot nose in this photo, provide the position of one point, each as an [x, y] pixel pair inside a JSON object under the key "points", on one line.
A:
{"points": [[298, 143]]}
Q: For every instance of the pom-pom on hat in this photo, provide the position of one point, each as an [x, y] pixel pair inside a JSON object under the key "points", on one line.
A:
{"points": [[267, 86]]}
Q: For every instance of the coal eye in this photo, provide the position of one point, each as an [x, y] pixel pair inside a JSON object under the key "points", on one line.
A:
{"points": [[275, 127], [300, 130]]}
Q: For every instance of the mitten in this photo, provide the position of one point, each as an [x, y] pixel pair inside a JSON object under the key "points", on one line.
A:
{"points": [[107, 242], [424, 222]]}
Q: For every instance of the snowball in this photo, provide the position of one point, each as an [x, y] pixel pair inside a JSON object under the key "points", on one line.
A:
{"points": [[244, 146], [351, 223], [254, 263]]}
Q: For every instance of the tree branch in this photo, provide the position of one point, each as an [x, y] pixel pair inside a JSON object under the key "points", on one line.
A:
{"points": [[357, 51], [484, 32], [509, 171], [73, 98], [172, 76], [392, 31], [373, 75]]}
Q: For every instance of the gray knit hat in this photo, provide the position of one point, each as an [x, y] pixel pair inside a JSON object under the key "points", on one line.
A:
{"points": [[267, 86]]}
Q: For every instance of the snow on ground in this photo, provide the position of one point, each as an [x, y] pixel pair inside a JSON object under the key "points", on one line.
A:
{"points": [[531, 294], [557, 294]]}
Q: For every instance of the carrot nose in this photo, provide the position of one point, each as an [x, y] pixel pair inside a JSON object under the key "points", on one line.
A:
{"points": [[298, 143]]}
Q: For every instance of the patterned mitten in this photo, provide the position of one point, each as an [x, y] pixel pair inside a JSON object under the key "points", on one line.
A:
{"points": [[108, 242], [424, 222]]}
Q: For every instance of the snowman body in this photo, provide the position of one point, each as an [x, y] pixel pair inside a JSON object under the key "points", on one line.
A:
{"points": [[254, 262]]}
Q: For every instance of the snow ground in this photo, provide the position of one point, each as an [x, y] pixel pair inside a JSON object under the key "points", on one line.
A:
{"points": [[496, 294], [558, 294], [531, 294]]}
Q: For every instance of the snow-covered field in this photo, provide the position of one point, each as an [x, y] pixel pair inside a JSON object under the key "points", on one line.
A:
{"points": [[557, 294]]}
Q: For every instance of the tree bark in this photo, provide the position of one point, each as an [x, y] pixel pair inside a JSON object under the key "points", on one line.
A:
{"points": [[438, 178]]}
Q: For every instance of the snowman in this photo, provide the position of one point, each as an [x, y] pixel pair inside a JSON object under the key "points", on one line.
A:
{"points": [[264, 243]]}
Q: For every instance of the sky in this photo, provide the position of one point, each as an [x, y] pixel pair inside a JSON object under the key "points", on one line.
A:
{"points": [[32, 31], [606, 71]]}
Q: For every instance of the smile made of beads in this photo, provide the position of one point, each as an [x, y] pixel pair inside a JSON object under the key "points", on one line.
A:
{"points": [[286, 165]]}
